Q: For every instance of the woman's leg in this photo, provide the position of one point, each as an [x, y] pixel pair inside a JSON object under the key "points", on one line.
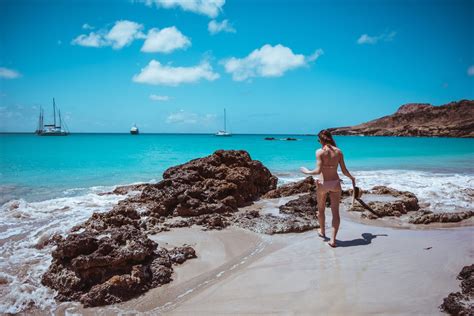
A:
{"points": [[321, 201], [335, 197]]}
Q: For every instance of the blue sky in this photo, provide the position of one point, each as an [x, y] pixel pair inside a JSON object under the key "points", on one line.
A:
{"points": [[276, 66]]}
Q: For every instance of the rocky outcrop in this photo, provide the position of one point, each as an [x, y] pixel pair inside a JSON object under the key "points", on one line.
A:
{"points": [[460, 303], [455, 119], [403, 203], [109, 258], [218, 183], [304, 206], [306, 185], [116, 264], [428, 217], [296, 216]]}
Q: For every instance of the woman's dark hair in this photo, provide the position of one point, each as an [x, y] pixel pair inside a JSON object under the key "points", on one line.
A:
{"points": [[325, 137]]}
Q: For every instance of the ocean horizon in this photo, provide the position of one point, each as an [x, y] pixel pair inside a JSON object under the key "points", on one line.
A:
{"points": [[39, 168]]}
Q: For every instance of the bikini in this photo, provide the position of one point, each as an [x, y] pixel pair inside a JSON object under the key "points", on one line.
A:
{"points": [[329, 185]]}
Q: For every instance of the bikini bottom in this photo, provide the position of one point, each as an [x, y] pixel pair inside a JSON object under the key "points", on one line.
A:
{"points": [[328, 185]]}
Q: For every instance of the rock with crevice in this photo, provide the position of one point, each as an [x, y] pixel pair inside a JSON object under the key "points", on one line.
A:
{"points": [[306, 185], [428, 217], [296, 216], [460, 303], [110, 266], [219, 183]]}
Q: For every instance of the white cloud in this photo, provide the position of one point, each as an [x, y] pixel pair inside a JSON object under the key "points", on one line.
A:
{"points": [[157, 74], [183, 117], [470, 71], [268, 61], [86, 26], [9, 73], [162, 98], [367, 39], [211, 8], [123, 33], [165, 40], [215, 27], [90, 40]]}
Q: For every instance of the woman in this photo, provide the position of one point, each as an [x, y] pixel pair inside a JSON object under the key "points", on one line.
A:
{"points": [[328, 158]]}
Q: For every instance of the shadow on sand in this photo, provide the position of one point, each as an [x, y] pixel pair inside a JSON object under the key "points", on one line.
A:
{"points": [[365, 240]]}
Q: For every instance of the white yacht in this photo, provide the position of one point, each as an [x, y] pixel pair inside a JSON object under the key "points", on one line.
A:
{"points": [[51, 129], [224, 132], [134, 130]]}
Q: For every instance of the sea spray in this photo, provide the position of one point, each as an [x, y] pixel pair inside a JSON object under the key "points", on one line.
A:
{"points": [[24, 250], [444, 192]]}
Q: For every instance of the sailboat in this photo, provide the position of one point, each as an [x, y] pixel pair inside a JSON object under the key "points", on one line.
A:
{"points": [[51, 129], [224, 132]]}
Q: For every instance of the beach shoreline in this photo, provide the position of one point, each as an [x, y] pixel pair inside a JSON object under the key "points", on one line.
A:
{"points": [[373, 270]]}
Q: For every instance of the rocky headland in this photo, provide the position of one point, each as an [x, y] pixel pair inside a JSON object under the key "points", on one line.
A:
{"points": [[110, 257], [455, 119]]}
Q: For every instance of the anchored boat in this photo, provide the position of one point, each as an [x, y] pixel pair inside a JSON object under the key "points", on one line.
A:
{"points": [[224, 132], [51, 129], [134, 130]]}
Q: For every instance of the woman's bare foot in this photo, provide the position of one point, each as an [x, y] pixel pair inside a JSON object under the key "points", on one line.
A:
{"points": [[322, 233], [332, 244]]}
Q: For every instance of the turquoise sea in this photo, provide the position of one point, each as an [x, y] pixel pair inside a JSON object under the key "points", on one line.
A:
{"points": [[36, 168], [50, 184]]}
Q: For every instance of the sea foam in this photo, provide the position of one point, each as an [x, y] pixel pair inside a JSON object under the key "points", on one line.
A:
{"points": [[443, 192], [25, 255]]}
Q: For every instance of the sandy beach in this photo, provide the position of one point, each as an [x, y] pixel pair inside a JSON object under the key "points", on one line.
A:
{"points": [[374, 270]]}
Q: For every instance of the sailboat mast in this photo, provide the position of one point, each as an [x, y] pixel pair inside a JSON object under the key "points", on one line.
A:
{"points": [[39, 121], [59, 110], [225, 121], [54, 112]]}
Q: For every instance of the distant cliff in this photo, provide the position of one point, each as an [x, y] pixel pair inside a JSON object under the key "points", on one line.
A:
{"points": [[455, 119]]}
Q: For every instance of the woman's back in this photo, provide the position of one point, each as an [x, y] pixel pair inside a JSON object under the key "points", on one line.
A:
{"points": [[330, 157]]}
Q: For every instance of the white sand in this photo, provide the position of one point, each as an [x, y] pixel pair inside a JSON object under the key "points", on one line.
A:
{"points": [[240, 272]]}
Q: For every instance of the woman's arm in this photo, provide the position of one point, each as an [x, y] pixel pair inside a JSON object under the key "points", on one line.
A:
{"points": [[317, 170], [344, 169]]}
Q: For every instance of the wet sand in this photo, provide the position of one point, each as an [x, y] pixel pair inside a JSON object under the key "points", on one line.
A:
{"points": [[375, 270], [387, 272]]}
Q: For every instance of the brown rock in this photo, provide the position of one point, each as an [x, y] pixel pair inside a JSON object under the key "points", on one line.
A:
{"points": [[298, 215], [404, 202], [454, 305], [109, 258], [304, 206], [122, 214], [467, 277], [304, 186], [110, 266], [218, 183], [428, 217], [460, 303]]}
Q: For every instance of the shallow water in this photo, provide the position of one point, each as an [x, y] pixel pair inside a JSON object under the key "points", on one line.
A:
{"points": [[50, 184]]}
